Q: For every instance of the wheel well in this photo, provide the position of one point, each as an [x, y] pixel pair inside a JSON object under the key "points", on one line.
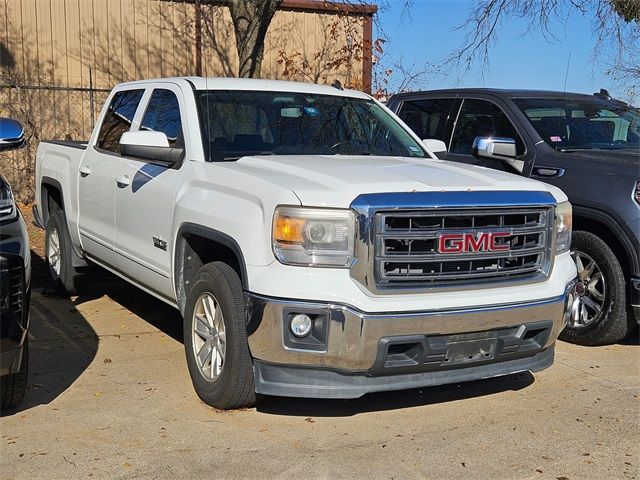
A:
{"points": [[193, 250], [51, 200], [601, 230]]}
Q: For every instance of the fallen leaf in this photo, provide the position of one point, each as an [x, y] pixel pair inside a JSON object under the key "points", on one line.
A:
{"points": [[107, 360], [538, 470], [310, 420]]}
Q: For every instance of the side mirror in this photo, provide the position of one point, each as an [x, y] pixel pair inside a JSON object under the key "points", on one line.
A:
{"points": [[149, 145], [11, 134], [437, 147], [498, 147]]}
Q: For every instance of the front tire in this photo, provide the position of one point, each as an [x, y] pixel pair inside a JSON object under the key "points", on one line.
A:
{"points": [[602, 306], [58, 253], [215, 339], [14, 385]]}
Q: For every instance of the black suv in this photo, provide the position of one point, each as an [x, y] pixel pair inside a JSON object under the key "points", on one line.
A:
{"points": [[587, 145], [15, 280]]}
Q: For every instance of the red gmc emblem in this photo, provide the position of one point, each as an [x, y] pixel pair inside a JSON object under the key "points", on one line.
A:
{"points": [[472, 242]]}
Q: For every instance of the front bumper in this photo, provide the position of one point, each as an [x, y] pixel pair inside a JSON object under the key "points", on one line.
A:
{"points": [[349, 352], [14, 311]]}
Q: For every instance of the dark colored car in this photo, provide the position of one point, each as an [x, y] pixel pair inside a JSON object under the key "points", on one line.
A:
{"points": [[15, 281], [587, 145]]}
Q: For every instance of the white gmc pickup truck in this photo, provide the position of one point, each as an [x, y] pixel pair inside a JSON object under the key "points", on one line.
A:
{"points": [[313, 244]]}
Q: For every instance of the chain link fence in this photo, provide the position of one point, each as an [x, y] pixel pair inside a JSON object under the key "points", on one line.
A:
{"points": [[46, 112]]}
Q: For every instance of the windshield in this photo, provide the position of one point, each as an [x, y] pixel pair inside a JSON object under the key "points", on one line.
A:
{"points": [[589, 124], [239, 123]]}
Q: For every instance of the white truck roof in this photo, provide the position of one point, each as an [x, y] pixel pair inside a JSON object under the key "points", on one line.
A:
{"points": [[223, 83]]}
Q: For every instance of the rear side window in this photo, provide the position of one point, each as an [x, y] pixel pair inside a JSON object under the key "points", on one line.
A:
{"points": [[163, 115], [118, 119], [430, 118], [480, 118]]}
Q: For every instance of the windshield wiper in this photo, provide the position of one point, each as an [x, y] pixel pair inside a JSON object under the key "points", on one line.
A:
{"points": [[245, 154], [354, 153]]}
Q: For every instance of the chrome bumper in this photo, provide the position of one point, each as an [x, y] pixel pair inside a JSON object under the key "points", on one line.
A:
{"points": [[351, 341]]}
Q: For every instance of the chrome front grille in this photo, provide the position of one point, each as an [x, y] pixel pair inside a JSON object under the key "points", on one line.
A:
{"points": [[406, 252]]}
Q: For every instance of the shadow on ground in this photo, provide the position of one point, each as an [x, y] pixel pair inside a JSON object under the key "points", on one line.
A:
{"points": [[63, 344]]}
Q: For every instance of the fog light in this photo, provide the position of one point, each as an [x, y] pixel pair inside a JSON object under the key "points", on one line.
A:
{"points": [[301, 325]]}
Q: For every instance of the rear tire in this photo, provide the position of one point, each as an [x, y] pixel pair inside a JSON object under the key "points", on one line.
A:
{"points": [[14, 385], [215, 339], [611, 324], [58, 253]]}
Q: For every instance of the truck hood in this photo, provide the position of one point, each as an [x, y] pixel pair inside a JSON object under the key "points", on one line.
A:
{"points": [[336, 180]]}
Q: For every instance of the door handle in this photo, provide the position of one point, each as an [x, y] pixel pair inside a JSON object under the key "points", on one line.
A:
{"points": [[84, 170], [547, 172], [123, 181]]}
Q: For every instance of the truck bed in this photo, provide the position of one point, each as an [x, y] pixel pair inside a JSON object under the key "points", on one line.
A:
{"points": [[57, 163]]}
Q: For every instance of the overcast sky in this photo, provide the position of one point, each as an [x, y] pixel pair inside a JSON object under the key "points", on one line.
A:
{"points": [[516, 61]]}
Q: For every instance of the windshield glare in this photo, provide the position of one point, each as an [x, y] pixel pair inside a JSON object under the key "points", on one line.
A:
{"points": [[588, 124], [240, 123]]}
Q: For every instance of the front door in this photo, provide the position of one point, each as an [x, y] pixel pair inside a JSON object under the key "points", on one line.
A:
{"points": [[482, 118], [145, 199], [97, 178]]}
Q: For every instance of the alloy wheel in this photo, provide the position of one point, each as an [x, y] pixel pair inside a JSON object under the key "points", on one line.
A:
{"points": [[589, 306], [209, 337], [53, 251]]}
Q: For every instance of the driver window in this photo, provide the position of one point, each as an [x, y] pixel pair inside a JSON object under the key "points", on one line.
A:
{"points": [[163, 115], [480, 118]]}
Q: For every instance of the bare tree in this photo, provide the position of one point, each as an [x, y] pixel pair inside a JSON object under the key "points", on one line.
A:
{"points": [[251, 20], [615, 24]]}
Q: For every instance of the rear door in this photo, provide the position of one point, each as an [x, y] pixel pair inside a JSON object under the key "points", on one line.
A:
{"points": [[97, 177], [432, 118], [145, 196]]}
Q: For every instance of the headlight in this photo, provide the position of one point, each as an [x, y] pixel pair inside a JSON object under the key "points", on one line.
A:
{"points": [[564, 220], [320, 237], [8, 210]]}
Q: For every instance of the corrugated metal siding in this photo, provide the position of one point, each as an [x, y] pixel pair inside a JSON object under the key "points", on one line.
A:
{"points": [[59, 41]]}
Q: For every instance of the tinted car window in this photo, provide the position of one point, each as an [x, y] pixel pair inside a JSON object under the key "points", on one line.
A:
{"points": [[240, 123], [118, 119], [432, 118], [583, 124], [480, 118], [163, 115]]}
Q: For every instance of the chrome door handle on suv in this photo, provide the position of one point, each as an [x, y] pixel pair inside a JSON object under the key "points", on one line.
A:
{"points": [[123, 181], [547, 172]]}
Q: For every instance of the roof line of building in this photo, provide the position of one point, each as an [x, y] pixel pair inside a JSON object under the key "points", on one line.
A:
{"points": [[330, 6], [355, 7]]}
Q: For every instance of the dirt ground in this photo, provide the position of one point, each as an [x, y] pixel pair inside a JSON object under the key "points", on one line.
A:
{"points": [[110, 397]]}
